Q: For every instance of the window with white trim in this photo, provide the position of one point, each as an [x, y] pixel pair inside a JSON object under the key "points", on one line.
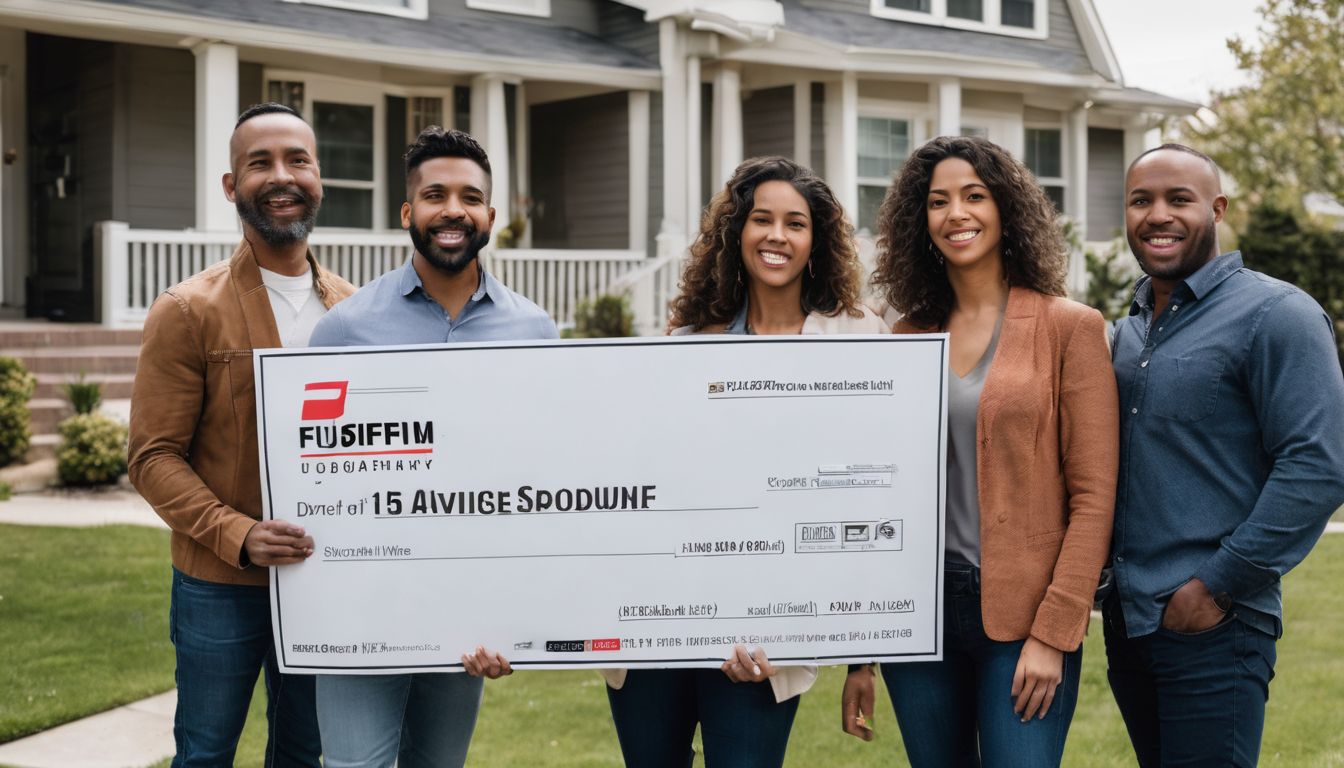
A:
{"points": [[1044, 156], [883, 144], [520, 7], [412, 9], [1019, 18]]}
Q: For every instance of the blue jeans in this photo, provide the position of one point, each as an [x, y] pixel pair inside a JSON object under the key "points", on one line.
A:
{"points": [[958, 712], [741, 724], [1191, 700], [418, 721], [222, 635]]}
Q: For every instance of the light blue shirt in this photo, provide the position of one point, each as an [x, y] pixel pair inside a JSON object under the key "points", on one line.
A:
{"points": [[395, 309], [1231, 441]]}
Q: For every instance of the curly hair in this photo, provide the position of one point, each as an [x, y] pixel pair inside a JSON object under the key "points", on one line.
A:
{"points": [[909, 274], [713, 283]]}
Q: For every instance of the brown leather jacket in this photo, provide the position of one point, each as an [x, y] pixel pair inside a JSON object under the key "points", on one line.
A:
{"points": [[193, 446], [1048, 432]]}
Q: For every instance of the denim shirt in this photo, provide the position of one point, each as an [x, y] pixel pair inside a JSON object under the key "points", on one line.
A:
{"points": [[395, 309], [1231, 441]]}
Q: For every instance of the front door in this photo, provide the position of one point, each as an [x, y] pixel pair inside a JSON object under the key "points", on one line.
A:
{"points": [[60, 282]]}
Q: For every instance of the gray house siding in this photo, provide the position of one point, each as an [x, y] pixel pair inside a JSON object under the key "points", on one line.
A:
{"points": [[580, 173], [1105, 183], [767, 122], [156, 90], [851, 23]]}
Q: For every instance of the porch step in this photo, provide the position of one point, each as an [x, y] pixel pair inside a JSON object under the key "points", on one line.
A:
{"points": [[57, 354], [29, 334], [116, 386], [74, 360]]}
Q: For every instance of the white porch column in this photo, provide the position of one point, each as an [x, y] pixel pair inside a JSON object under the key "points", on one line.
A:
{"points": [[1075, 168], [639, 170], [1075, 193], [216, 112], [802, 122], [842, 140], [1140, 136], [727, 122], [694, 203], [947, 94], [490, 126], [675, 162]]}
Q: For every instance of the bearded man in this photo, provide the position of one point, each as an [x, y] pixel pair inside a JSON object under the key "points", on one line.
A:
{"points": [[193, 445], [442, 294]]}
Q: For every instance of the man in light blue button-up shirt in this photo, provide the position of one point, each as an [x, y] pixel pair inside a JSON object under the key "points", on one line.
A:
{"points": [[442, 294], [1231, 462]]}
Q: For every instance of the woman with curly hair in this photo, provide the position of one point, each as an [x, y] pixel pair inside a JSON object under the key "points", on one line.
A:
{"points": [[775, 255], [968, 245]]}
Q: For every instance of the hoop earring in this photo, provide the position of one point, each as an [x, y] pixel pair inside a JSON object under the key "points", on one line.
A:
{"points": [[810, 271]]}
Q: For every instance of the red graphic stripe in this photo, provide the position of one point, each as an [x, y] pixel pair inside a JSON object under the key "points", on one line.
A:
{"points": [[366, 453]]}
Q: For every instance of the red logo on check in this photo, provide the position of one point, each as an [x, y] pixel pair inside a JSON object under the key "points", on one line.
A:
{"points": [[330, 402]]}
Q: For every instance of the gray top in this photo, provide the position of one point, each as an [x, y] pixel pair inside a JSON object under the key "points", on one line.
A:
{"points": [[963, 498]]}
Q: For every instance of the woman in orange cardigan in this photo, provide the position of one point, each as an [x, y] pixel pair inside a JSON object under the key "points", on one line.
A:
{"points": [[969, 246]]}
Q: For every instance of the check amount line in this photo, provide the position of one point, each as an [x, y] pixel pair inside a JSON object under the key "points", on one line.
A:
{"points": [[487, 515], [492, 557]]}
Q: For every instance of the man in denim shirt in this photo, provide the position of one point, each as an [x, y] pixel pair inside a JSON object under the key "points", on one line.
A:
{"points": [[442, 294], [1231, 462]]}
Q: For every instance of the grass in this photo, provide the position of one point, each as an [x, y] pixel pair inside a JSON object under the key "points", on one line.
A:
{"points": [[560, 718], [83, 622]]}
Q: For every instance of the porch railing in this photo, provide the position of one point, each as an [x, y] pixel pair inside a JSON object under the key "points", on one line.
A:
{"points": [[136, 265]]}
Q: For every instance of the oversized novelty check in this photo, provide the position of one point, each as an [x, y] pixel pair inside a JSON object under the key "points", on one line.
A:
{"points": [[638, 503]]}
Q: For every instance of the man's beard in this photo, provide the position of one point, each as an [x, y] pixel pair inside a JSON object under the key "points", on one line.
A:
{"points": [[1203, 249], [451, 262], [276, 233]]}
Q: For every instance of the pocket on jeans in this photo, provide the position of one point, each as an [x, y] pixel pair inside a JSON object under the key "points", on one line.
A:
{"points": [[1226, 622]]}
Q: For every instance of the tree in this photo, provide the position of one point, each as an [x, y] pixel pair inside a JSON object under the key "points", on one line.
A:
{"points": [[1283, 243], [1282, 135]]}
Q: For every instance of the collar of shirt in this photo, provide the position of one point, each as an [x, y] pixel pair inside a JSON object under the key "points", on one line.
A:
{"points": [[486, 286], [1198, 285]]}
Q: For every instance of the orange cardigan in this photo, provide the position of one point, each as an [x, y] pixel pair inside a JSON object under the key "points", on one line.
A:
{"points": [[1048, 431]]}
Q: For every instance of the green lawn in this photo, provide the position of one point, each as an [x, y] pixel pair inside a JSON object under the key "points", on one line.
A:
{"points": [[83, 622], [93, 634]]}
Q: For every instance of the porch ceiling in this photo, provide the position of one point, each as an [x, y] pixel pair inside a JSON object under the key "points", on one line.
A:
{"points": [[467, 43]]}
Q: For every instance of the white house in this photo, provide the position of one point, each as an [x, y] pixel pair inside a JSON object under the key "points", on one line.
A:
{"points": [[609, 124]]}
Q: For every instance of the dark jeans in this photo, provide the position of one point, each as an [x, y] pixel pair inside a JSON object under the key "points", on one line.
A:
{"points": [[958, 712], [741, 724], [1191, 700], [222, 634]]}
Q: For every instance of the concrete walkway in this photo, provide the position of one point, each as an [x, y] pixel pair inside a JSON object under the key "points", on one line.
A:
{"points": [[137, 734]]}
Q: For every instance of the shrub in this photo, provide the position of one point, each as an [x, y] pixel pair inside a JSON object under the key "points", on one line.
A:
{"points": [[92, 449], [83, 395], [603, 317], [6, 491], [16, 386]]}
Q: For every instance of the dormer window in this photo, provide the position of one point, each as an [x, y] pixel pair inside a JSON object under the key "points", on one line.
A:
{"points": [[1020, 18], [411, 9]]}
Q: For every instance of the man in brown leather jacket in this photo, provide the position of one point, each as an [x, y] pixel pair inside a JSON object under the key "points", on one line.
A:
{"points": [[193, 444]]}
